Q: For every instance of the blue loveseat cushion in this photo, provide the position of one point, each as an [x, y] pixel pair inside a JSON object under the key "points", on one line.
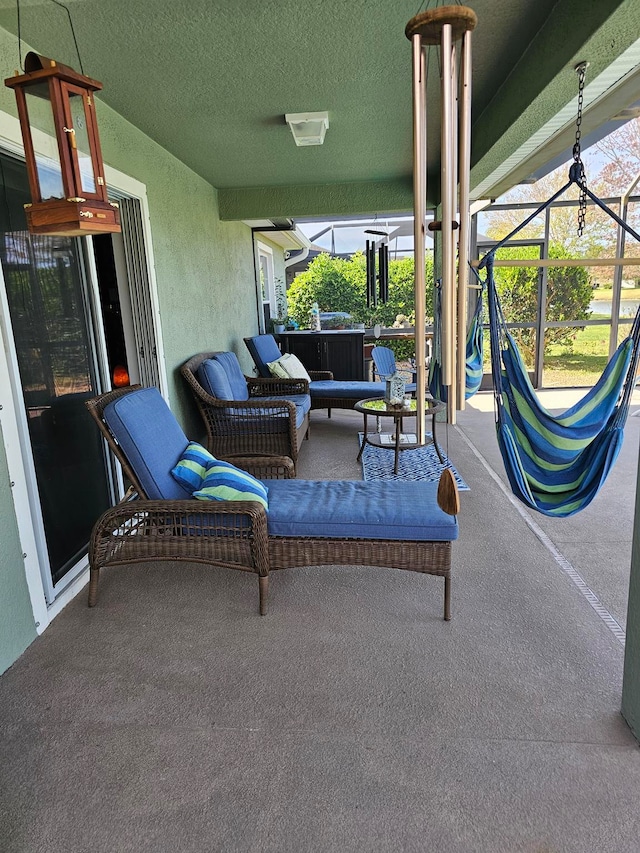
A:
{"points": [[346, 390], [213, 378], [151, 439], [302, 402], [237, 382], [353, 509]]}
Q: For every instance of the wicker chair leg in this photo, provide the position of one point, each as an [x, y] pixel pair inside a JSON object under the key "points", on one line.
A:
{"points": [[94, 577], [447, 598], [264, 593]]}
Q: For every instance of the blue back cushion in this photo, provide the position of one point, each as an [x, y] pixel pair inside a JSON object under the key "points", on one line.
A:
{"points": [[231, 365], [263, 349], [151, 439], [213, 378]]}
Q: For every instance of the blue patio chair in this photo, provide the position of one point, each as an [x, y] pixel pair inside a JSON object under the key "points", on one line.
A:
{"points": [[384, 365]]}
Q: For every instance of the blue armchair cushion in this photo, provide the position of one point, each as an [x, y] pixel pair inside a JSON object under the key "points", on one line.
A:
{"points": [[213, 378], [192, 466], [354, 509], [151, 439], [237, 381], [225, 482]]}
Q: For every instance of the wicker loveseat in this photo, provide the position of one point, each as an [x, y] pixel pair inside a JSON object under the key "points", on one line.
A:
{"points": [[245, 415], [326, 392], [391, 524]]}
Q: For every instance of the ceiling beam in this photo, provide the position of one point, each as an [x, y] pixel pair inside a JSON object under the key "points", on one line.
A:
{"points": [[316, 200], [543, 83]]}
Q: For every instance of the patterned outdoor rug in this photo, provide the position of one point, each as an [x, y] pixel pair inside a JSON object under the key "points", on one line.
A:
{"points": [[419, 464]]}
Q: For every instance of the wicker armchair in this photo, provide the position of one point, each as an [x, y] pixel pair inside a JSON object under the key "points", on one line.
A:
{"points": [[263, 424]]}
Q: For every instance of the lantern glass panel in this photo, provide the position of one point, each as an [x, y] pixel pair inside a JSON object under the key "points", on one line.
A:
{"points": [[47, 156], [80, 125]]}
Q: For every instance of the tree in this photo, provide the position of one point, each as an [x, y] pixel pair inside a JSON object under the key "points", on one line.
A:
{"points": [[569, 293], [339, 284]]}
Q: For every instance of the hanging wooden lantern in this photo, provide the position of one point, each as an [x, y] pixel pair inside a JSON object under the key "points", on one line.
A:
{"points": [[66, 178]]}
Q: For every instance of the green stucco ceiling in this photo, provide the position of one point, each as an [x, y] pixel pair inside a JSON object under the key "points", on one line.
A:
{"points": [[211, 82]]}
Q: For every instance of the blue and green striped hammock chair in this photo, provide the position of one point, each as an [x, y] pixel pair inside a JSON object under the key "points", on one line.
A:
{"points": [[473, 351], [557, 464]]}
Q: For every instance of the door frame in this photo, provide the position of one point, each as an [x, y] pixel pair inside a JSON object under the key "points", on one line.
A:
{"points": [[12, 416]]}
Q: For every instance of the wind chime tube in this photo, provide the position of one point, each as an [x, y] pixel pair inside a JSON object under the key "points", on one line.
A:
{"points": [[419, 217], [446, 177], [465, 223]]}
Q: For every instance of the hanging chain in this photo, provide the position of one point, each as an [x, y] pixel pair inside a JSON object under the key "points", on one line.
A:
{"points": [[581, 70]]}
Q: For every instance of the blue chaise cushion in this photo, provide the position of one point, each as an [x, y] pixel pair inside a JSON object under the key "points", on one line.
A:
{"points": [[345, 390], [354, 509], [151, 439]]}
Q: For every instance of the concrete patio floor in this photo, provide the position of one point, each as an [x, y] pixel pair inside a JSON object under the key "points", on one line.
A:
{"points": [[351, 718]]}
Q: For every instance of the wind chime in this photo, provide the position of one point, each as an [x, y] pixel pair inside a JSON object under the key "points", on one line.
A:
{"points": [[443, 27], [377, 281]]}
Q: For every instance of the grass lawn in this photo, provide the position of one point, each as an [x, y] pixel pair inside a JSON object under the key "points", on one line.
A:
{"points": [[581, 364]]}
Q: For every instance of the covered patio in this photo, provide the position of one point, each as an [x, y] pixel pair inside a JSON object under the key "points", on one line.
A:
{"points": [[351, 717]]}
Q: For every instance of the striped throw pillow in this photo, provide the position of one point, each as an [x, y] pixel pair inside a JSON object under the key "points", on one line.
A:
{"points": [[225, 482], [192, 466]]}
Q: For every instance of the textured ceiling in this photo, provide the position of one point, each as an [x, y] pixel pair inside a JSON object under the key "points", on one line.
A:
{"points": [[211, 81]]}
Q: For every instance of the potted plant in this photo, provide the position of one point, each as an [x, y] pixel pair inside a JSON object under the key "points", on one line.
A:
{"points": [[279, 322]]}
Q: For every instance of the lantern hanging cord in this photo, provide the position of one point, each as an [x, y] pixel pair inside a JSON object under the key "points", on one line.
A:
{"points": [[73, 32], [19, 36]]}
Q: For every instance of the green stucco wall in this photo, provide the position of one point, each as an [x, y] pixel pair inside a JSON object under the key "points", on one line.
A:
{"points": [[17, 627], [206, 290]]}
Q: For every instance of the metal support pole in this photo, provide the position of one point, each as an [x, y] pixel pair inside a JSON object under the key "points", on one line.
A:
{"points": [[448, 212], [465, 220], [617, 277], [419, 217], [541, 317]]}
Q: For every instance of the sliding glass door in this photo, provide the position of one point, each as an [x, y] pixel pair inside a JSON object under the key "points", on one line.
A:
{"points": [[50, 316]]}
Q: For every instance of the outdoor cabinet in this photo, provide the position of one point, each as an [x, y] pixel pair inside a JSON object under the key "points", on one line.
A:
{"points": [[341, 352]]}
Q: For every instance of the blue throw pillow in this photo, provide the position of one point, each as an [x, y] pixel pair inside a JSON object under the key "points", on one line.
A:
{"points": [[225, 482], [192, 466]]}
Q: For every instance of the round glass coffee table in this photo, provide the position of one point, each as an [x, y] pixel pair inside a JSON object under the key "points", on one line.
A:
{"points": [[381, 409]]}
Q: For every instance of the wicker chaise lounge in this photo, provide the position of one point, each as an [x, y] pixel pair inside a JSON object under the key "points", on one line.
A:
{"points": [[391, 524], [326, 392]]}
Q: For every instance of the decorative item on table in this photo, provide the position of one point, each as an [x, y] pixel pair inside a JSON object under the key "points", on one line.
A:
{"points": [[315, 318], [394, 390]]}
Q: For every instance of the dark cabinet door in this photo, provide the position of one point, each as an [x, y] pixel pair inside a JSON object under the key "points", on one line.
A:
{"points": [[344, 356], [340, 352], [308, 348]]}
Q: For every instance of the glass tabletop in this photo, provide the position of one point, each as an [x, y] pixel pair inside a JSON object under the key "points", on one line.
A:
{"points": [[378, 406]]}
